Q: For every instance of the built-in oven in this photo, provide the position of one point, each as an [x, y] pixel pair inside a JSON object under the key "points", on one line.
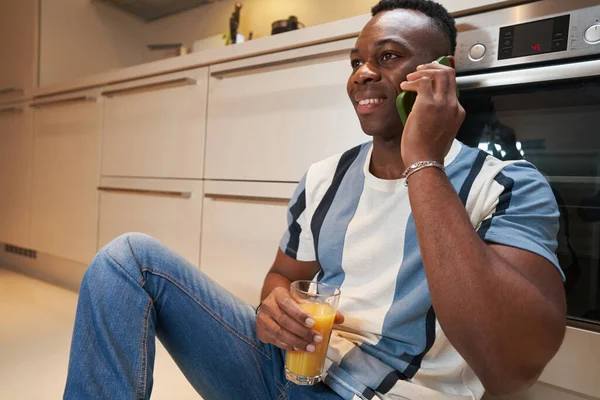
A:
{"points": [[529, 78]]}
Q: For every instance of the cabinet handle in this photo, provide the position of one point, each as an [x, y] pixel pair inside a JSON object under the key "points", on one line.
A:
{"points": [[11, 110], [280, 64], [150, 87], [235, 197], [11, 90], [61, 102], [151, 192]]}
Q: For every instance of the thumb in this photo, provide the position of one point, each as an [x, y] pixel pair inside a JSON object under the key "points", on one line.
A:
{"points": [[339, 318]]}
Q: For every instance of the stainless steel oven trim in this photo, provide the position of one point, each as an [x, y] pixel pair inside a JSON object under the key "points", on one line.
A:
{"points": [[531, 75]]}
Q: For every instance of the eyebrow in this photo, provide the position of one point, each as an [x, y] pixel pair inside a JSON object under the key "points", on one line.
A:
{"points": [[382, 42]]}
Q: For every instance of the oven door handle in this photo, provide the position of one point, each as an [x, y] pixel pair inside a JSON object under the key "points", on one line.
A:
{"points": [[530, 75]]}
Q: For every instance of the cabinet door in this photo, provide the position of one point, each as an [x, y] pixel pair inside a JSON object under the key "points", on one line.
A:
{"points": [[64, 204], [271, 117], [18, 48], [16, 153], [169, 210], [155, 127], [241, 229]]}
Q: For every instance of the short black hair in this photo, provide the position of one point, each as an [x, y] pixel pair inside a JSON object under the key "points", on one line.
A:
{"points": [[440, 16]]}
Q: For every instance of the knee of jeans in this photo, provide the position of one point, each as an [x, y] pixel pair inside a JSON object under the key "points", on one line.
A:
{"points": [[127, 251]]}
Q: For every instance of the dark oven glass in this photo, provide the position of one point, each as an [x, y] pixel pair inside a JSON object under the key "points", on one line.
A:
{"points": [[556, 127]]}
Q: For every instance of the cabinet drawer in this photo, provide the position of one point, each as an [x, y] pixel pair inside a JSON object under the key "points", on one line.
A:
{"points": [[271, 117], [169, 210], [155, 127], [241, 229], [66, 169], [16, 155]]}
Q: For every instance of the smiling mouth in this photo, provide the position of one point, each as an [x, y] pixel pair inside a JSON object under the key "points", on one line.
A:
{"points": [[367, 106]]}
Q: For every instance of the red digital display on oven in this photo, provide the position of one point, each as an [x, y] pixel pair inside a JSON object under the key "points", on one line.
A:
{"points": [[536, 47]]}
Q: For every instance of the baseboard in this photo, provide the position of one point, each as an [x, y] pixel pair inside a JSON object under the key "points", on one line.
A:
{"points": [[55, 270]]}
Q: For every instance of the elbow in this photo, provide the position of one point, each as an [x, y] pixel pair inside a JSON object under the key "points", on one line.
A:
{"points": [[511, 380]]}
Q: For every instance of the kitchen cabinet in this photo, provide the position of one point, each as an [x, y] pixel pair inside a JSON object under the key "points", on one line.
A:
{"points": [[270, 117], [168, 210], [241, 228], [66, 170], [16, 153], [18, 49], [155, 127]]}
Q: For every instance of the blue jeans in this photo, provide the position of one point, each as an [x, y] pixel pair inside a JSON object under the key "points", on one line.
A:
{"points": [[136, 289]]}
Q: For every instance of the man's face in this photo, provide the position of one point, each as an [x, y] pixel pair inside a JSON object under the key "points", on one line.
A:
{"points": [[390, 46]]}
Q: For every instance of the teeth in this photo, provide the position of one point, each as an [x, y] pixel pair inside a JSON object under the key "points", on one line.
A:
{"points": [[369, 101]]}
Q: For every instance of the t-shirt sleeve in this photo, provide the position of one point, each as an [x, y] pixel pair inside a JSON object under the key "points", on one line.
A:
{"points": [[297, 241], [524, 213]]}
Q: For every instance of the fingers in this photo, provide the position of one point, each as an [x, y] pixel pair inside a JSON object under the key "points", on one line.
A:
{"points": [[283, 338], [423, 86], [282, 322], [339, 319], [440, 80], [290, 307]]}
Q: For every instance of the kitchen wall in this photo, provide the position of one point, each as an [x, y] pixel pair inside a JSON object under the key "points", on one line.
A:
{"points": [[79, 38]]}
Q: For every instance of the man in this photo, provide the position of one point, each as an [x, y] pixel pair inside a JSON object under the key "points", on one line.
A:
{"points": [[449, 279]]}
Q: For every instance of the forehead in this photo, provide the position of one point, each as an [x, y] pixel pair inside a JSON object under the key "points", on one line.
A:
{"points": [[410, 27]]}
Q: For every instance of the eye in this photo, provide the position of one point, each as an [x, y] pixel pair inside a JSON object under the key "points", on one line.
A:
{"points": [[387, 56], [355, 63]]}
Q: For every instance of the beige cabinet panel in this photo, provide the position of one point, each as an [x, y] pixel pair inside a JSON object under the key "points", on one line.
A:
{"points": [[18, 48], [156, 127], [16, 154], [272, 123], [240, 236], [168, 210], [64, 204]]}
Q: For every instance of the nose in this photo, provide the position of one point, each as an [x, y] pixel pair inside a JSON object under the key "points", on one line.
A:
{"points": [[366, 73]]}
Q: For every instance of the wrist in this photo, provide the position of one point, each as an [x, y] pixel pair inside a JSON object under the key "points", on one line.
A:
{"points": [[421, 166]]}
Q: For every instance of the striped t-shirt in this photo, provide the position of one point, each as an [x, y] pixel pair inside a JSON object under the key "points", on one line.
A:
{"points": [[361, 231]]}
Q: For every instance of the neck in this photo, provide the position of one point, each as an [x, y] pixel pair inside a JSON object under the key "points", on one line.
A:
{"points": [[386, 159]]}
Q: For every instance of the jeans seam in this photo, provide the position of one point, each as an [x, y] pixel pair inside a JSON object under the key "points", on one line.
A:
{"points": [[122, 268], [141, 392], [282, 390], [142, 281], [209, 310]]}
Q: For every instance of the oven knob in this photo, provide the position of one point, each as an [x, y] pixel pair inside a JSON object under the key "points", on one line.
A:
{"points": [[592, 35], [477, 52]]}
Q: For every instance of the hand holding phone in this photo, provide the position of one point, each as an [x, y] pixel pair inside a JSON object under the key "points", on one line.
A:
{"points": [[406, 100]]}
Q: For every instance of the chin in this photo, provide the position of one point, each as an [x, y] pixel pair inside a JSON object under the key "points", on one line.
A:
{"points": [[382, 131]]}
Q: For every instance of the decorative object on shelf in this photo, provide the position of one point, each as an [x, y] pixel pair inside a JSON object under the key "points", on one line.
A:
{"points": [[286, 25], [234, 23]]}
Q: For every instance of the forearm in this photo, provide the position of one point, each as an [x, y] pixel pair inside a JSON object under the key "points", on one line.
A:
{"points": [[273, 280], [489, 311]]}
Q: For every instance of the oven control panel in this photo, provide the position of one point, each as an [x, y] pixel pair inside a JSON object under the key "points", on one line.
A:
{"points": [[568, 35]]}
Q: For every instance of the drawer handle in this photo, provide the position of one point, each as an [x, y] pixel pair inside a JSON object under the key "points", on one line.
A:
{"points": [[279, 64], [11, 110], [62, 102], [236, 197], [164, 193], [150, 87], [11, 90]]}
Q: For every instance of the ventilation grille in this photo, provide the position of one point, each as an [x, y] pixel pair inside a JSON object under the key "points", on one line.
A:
{"points": [[20, 251]]}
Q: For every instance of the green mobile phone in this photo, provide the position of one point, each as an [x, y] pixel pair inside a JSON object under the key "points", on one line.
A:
{"points": [[406, 100]]}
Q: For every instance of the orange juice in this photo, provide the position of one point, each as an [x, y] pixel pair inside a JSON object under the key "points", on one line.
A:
{"points": [[303, 363]]}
